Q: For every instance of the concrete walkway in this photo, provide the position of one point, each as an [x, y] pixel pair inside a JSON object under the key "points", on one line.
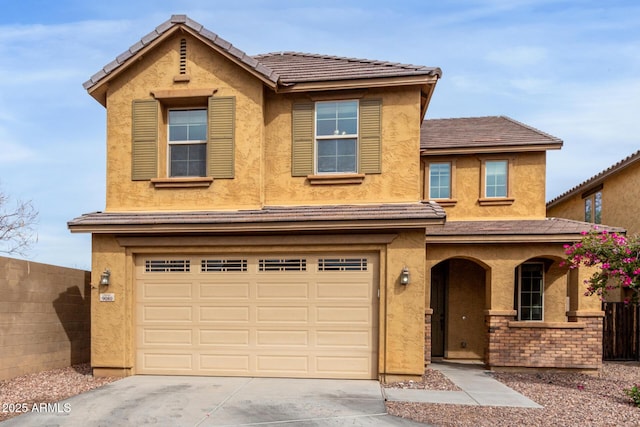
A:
{"points": [[478, 388]]}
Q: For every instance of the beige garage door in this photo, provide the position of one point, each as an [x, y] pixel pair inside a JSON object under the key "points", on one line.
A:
{"points": [[312, 316]]}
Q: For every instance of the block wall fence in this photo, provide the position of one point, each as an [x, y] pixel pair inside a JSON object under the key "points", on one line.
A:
{"points": [[45, 317]]}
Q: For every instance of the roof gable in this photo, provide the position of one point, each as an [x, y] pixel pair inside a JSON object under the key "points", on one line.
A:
{"points": [[281, 71], [482, 135]]}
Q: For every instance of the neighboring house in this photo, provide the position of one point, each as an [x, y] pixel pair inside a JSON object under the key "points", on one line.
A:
{"points": [[610, 197], [266, 216]]}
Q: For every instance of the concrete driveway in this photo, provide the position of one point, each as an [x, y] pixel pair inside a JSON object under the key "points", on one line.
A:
{"points": [[217, 401]]}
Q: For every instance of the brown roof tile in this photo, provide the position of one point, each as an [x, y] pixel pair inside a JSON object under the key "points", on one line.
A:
{"points": [[297, 67], [479, 132], [417, 214], [285, 68], [597, 179], [542, 227]]}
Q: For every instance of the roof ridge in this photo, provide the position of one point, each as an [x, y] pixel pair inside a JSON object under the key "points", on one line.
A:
{"points": [[621, 164]]}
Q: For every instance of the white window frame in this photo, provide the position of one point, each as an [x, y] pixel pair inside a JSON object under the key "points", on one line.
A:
{"points": [[506, 178], [594, 200], [187, 142], [328, 137], [449, 185], [519, 275]]}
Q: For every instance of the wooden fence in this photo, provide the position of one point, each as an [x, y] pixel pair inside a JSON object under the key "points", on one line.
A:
{"points": [[621, 331]]}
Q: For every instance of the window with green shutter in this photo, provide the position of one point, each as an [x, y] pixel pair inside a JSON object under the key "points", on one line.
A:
{"points": [[336, 137], [200, 141]]}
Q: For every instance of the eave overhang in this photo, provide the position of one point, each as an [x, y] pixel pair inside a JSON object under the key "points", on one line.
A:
{"points": [[267, 220], [502, 148]]}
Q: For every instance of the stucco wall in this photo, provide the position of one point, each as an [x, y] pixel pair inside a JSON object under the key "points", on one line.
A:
{"points": [[400, 177], [528, 187], [207, 70], [620, 201], [44, 317]]}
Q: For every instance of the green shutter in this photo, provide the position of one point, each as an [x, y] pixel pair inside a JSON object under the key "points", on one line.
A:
{"points": [[302, 140], [370, 136], [144, 149], [220, 146]]}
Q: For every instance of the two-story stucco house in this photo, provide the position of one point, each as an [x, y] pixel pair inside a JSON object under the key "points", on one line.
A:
{"points": [[292, 215]]}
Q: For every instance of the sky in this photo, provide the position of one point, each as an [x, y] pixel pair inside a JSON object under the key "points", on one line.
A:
{"points": [[568, 68]]}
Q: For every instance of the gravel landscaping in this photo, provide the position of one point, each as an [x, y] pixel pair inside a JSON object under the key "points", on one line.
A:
{"points": [[46, 387], [568, 399]]}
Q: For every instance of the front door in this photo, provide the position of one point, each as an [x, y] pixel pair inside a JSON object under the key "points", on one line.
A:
{"points": [[438, 298]]}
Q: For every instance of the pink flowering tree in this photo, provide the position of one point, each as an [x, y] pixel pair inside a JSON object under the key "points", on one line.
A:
{"points": [[616, 258]]}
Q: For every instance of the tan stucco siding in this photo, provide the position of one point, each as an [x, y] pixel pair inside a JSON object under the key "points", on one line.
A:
{"points": [[620, 201], [111, 335], [206, 70], [527, 187], [400, 177], [404, 306]]}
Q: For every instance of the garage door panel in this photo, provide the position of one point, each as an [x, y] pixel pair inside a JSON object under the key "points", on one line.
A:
{"points": [[282, 338], [167, 361], [283, 364], [227, 289], [224, 314], [168, 290], [170, 337], [343, 365], [165, 313], [345, 291], [349, 339], [221, 364], [295, 315], [282, 314], [282, 291], [229, 337], [340, 314]]}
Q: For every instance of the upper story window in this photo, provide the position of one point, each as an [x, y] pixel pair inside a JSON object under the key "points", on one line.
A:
{"points": [[440, 180], [187, 142], [593, 207], [530, 289], [496, 178], [336, 134]]}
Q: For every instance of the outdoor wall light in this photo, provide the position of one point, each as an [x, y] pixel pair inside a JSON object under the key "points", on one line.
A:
{"points": [[405, 277], [105, 278]]}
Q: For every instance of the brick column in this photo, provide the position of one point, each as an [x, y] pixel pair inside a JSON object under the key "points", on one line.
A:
{"points": [[497, 333], [428, 313]]}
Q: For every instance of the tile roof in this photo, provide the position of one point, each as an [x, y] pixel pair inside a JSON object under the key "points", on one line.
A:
{"points": [[525, 228], [297, 67], [357, 216], [597, 179], [286, 68], [478, 132]]}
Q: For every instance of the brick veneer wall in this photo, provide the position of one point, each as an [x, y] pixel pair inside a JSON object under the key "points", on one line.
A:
{"points": [[544, 345], [44, 317], [427, 336]]}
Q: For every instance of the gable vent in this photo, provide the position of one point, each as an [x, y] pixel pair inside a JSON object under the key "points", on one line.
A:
{"points": [[288, 264], [223, 265], [342, 264], [183, 56], [167, 266]]}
